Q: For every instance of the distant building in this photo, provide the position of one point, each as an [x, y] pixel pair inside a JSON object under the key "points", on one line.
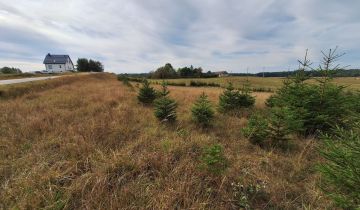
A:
{"points": [[58, 63], [221, 73]]}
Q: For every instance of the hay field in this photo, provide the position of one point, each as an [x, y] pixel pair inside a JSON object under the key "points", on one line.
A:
{"points": [[86, 143]]}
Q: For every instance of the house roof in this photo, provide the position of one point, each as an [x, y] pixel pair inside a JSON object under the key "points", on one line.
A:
{"points": [[56, 59], [220, 72]]}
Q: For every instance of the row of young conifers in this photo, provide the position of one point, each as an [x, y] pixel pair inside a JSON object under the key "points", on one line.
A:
{"points": [[298, 109]]}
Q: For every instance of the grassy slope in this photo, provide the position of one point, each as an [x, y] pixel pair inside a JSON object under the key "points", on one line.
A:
{"points": [[27, 75], [89, 144], [19, 76], [266, 82]]}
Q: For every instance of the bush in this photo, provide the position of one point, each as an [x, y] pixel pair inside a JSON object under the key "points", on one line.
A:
{"points": [[257, 130], [146, 94], [233, 100], [183, 84], [164, 91], [165, 108], [341, 177], [202, 111], [124, 79], [282, 124], [214, 160], [273, 129], [203, 84], [228, 100]]}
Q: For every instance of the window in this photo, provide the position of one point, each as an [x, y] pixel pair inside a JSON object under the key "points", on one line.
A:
{"points": [[50, 66], [60, 66]]}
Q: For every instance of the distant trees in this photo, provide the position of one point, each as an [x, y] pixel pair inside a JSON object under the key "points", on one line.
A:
{"points": [[10, 70], [85, 65], [313, 73], [164, 72], [168, 72], [190, 72]]}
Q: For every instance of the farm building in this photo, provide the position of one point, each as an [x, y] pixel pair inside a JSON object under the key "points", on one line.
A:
{"points": [[221, 73], [58, 63]]}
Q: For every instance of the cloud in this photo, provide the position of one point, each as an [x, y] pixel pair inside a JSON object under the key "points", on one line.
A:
{"points": [[139, 36]]}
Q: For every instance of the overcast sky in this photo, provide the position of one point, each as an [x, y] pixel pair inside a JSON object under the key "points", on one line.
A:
{"points": [[141, 35]]}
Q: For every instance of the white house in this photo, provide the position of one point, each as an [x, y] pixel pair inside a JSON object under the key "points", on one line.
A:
{"points": [[58, 63]]}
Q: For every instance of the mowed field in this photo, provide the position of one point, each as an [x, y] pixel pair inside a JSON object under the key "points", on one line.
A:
{"points": [[273, 83], [85, 142]]}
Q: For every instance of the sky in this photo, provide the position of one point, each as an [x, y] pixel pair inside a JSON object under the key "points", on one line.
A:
{"points": [[136, 36]]}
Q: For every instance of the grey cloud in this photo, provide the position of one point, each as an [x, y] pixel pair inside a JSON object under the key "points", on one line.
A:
{"points": [[138, 36]]}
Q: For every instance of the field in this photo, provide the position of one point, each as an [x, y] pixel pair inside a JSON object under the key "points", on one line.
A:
{"points": [[262, 82], [27, 75], [85, 142]]}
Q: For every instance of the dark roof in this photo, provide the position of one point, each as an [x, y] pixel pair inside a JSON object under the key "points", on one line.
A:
{"points": [[56, 59]]}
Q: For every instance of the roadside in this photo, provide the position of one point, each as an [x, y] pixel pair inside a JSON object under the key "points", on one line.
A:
{"points": [[15, 81]]}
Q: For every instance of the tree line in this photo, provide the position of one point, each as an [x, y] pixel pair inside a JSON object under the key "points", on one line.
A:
{"points": [[10, 70], [168, 72], [312, 73], [85, 65]]}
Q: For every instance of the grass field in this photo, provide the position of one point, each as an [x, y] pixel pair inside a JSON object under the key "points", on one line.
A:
{"points": [[262, 82], [27, 75], [86, 143]]}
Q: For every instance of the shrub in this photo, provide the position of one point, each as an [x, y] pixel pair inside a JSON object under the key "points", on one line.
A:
{"points": [[165, 107], [164, 91], [134, 79], [146, 94], [282, 123], [228, 100], [203, 84], [202, 111], [213, 159], [257, 130], [183, 84], [341, 177], [124, 79], [233, 100], [273, 129]]}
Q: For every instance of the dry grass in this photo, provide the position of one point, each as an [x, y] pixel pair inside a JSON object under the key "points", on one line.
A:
{"points": [[88, 144], [267, 82], [27, 75]]}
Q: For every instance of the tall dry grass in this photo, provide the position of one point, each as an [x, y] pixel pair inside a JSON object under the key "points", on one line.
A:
{"points": [[88, 144]]}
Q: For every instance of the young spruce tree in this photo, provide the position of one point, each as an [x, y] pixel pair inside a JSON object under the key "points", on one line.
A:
{"points": [[165, 107], [229, 99], [340, 172], [146, 94], [202, 111], [246, 100], [232, 100]]}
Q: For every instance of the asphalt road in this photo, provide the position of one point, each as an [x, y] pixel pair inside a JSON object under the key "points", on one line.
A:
{"points": [[14, 81]]}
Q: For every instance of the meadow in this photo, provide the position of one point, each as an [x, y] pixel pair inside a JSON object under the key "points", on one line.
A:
{"points": [[86, 143], [27, 75], [266, 83]]}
